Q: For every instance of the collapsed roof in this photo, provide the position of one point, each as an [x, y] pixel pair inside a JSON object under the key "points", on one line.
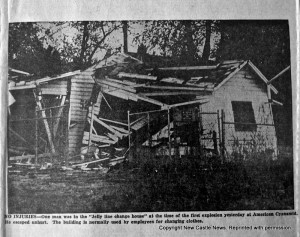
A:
{"points": [[126, 77]]}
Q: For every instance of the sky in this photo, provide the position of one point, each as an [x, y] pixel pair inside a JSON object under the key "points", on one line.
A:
{"points": [[67, 33], [115, 40]]}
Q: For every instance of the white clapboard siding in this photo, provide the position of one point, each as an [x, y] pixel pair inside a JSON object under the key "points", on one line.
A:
{"points": [[243, 86]]}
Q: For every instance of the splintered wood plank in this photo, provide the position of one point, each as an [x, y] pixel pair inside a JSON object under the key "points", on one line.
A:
{"points": [[59, 113], [117, 85], [97, 139], [31, 156], [108, 127], [137, 76], [113, 137], [113, 121], [121, 129], [43, 112]]}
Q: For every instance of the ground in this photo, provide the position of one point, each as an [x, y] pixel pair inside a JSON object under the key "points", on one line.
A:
{"points": [[183, 185]]}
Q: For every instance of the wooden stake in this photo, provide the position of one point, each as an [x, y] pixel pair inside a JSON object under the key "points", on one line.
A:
{"points": [[59, 113], [39, 104]]}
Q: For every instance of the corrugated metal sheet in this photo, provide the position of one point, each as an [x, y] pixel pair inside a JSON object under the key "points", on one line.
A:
{"points": [[81, 91]]}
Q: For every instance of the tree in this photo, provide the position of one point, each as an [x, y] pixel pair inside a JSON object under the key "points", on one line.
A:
{"points": [[267, 45], [26, 52], [125, 36], [187, 41], [80, 42]]}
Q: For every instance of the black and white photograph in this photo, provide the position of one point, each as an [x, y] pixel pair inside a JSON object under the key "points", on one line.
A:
{"points": [[149, 116]]}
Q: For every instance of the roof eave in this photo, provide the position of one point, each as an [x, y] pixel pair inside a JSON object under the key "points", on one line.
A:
{"points": [[254, 68], [259, 73]]}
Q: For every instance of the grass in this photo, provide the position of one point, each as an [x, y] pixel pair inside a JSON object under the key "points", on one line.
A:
{"points": [[186, 184]]}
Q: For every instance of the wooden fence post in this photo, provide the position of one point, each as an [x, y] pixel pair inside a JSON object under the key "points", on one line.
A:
{"points": [[223, 135], [219, 131]]}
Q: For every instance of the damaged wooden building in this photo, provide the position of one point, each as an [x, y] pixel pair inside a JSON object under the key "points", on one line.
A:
{"points": [[124, 106]]}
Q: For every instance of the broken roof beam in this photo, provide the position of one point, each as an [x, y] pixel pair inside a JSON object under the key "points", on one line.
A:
{"points": [[20, 72], [118, 134], [121, 94], [122, 130], [116, 85], [152, 101], [127, 95], [112, 121], [169, 93], [277, 102], [64, 75], [137, 76], [187, 68], [127, 83], [178, 88], [259, 73], [26, 86], [203, 101], [278, 75]]}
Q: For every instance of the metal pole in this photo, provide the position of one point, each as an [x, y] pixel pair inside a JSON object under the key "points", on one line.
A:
{"points": [[169, 133], [200, 127], [219, 129], [36, 136], [66, 156], [128, 118]]}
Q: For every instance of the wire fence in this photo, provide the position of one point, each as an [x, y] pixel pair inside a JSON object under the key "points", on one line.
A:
{"points": [[174, 132], [45, 133]]}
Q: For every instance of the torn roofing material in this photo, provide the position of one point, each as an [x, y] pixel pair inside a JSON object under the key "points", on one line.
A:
{"points": [[128, 78]]}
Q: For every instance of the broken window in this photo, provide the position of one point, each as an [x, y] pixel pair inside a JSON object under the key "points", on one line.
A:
{"points": [[244, 119]]}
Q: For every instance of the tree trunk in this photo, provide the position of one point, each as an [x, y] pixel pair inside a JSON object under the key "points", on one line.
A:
{"points": [[189, 56], [125, 36], [206, 49], [83, 44]]}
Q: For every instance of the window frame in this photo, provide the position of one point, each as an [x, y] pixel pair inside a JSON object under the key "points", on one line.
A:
{"points": [[244, 116]]}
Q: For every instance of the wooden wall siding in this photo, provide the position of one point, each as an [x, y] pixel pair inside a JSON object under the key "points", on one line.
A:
{"points": [[81, 91], [55, 88], [244, 86]]}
